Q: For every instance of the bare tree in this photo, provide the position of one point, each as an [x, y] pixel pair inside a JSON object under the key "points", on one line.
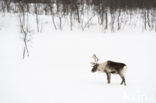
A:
{"points": [[118, 20], [37, 18], [24, 28], [87, 23], [112, 20], [106, 20], [7, 4]]}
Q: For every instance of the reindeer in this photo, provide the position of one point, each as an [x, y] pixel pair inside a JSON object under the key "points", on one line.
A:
{"points": [[110, 67]]}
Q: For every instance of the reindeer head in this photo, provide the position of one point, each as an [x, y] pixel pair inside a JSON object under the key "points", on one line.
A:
{"points": [[95, 64]]}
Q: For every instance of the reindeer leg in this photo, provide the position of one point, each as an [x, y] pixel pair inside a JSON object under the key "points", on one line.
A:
{"points": [[108, 77], [109, 74], [123, 80]]}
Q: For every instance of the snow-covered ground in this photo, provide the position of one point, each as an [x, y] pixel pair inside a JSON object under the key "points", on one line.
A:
{"points": [[58, 69]]}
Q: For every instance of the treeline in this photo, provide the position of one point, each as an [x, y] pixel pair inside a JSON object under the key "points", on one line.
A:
{"points": [[107, 15], [114, 4], [110, 14], [99, 5]]}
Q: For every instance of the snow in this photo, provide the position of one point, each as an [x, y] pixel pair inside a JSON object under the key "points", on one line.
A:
{"points": [[58, 69]]}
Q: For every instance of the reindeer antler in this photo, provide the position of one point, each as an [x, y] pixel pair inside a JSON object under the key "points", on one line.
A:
{"points": [[95, 58]]}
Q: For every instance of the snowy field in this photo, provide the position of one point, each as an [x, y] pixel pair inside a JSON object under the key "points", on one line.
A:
{"points": [[58, 69]]}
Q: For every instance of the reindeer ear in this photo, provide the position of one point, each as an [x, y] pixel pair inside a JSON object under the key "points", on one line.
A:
{"points": [[93, 63]]}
